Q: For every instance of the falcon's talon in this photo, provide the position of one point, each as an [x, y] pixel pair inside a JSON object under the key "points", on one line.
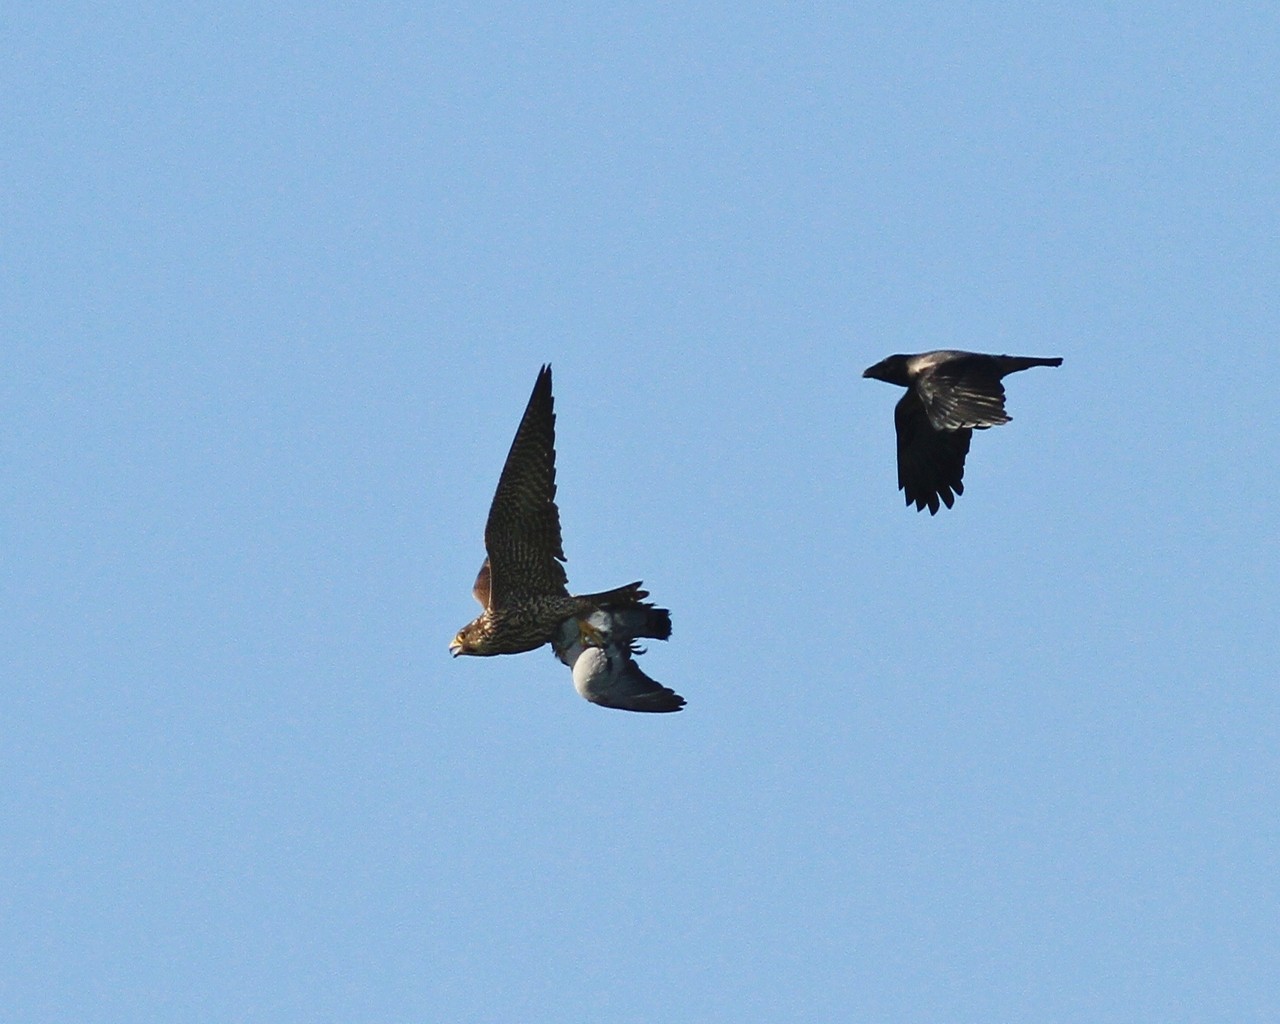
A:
{"points": [[590, 636]]}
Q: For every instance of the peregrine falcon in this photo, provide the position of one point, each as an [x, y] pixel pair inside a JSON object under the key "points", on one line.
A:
{"points": [[949, 395], [600, 648], [522, 585]]}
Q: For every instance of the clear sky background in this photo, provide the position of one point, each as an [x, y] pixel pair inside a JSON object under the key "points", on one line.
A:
{"points": [[276, 286]]}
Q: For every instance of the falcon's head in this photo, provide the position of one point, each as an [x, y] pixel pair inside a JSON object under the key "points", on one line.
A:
{"points": [[469, 640]]}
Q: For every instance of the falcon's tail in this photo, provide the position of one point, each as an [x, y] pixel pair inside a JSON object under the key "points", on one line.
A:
{"points": [[621, 597]]}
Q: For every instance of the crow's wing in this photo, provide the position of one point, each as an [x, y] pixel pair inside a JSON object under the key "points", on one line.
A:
{"points": [[930, 461], [963, 393]]}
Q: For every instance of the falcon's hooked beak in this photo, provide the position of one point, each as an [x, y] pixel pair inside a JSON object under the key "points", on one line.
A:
{"points": [[455, 647]]}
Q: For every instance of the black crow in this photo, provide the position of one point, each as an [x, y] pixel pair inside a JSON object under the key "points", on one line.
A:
{"points": [[949, 395]]}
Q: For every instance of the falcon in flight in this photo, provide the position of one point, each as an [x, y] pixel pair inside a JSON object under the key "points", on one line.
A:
{"points": [[600, 650], [522, 585], [949, 396]]}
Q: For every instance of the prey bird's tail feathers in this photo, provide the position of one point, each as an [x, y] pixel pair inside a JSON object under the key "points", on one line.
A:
{"points": [[629, 614], [641, 620]]}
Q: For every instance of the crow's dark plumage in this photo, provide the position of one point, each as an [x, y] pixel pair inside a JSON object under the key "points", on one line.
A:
{"points": [[949, 396]]}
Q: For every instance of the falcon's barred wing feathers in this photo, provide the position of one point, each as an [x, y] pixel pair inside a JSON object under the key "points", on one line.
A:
{"points": [[522, 534]]}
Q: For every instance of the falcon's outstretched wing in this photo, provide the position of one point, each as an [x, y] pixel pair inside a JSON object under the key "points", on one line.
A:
{"points": [[522, 535]]}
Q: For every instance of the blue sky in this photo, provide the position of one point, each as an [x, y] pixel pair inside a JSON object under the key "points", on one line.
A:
{"points": [[275, 287]]}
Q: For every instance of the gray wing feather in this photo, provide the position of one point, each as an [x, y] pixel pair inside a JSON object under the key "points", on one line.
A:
{"points": [[609, 676]]}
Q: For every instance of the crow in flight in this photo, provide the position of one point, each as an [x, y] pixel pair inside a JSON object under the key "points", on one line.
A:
{"points": [[949, 395]]}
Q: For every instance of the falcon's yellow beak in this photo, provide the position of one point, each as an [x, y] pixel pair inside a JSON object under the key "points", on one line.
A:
{"points": [[455, 646]]}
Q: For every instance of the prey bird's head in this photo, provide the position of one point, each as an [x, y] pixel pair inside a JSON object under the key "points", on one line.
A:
{"points": [[892, 370]]}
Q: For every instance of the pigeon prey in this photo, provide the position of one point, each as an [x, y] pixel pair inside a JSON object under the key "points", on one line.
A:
{"points": [[949, 396], [522, 585], [600, 649]]}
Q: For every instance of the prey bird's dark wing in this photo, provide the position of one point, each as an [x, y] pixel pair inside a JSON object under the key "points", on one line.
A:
{"points": [[522, 534], [963, 393], [930, 461], [611, 677]]}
